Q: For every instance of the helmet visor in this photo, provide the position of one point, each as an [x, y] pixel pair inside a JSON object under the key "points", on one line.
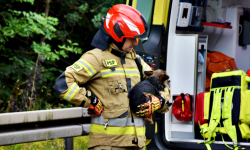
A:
{"points": [[143, 36]]}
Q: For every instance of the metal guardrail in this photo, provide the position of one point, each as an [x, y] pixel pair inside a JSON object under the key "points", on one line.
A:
{"points": [[22, 127]]}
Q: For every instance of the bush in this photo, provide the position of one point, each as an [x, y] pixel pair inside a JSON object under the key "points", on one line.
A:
{"points": [[38, 40], [80, 143]]}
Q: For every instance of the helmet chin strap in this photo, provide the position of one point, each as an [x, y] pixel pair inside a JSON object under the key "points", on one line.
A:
{"points": [[118, 44]]}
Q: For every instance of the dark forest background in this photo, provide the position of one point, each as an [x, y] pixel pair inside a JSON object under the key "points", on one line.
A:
{"points": [[38, 40]]}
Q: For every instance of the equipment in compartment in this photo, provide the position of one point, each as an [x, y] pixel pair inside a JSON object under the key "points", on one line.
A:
{"points": [[183, 14], [217, 62], [226, 108], [199, 108], [196, 15], [182, 107], [244, 33], [150, 59], [151, 50]]}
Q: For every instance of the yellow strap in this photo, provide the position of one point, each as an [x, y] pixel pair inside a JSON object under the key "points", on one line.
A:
{"points": [[208, 147], [206, 105], [156, 127], [216, 113], [227, 114], [182, 105], [148, 141], [236, 148], [134, 3], [221, 130], [206, 144], [204, 133], [203, 130], [205, 136], [205, 125]]}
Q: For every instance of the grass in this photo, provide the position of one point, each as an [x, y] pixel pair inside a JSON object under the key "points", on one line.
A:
{"points": [[80, 143]]}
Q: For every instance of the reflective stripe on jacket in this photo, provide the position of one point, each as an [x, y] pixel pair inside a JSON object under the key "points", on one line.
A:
{"points": [[119, 132]]}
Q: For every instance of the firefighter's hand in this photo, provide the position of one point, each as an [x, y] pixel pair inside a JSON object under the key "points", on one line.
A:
{"points": [[95, 107], [154, 103]]}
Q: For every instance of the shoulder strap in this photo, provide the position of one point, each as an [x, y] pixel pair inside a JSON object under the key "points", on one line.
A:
{"points": [[216, 113], [227, 114], [138, 63]]}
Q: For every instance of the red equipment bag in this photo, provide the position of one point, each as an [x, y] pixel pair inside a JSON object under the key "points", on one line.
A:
{"points": [[199, 109], [182, 107]]}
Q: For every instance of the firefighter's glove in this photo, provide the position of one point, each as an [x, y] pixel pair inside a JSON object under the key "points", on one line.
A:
{"points": [[95, 106], [154, 103]]}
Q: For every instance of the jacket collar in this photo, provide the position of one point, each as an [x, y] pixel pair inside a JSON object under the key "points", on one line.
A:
{"points": [[120, 53]]}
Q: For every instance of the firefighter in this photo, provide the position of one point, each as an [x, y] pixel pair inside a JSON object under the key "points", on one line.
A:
{"points": [[109, 72]]}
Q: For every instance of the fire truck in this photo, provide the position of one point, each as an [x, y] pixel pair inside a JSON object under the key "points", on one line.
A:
{"points": [[181, 33]]}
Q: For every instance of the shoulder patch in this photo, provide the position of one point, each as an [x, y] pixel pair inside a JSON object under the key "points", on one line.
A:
{"points": [[76, 67], [111, 62]]}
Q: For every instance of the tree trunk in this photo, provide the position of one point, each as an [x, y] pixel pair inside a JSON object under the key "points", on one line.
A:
{"points": [[46, 15], [38, 61]]}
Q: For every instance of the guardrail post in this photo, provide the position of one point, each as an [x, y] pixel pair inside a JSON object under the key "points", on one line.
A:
{"points": [[68, 143]]}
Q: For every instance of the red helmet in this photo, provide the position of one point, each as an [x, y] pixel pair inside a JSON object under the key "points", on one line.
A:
{"points": [[125, 21]]}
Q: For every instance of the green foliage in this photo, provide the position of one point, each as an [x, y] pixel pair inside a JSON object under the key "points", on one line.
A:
{"points": [[56, 144], [96, 20], [83, 8], [80, 143], [70, 48], [37, 45], [73, 17], [44, 51], [25, 24], [30, 1], [102, 11]]}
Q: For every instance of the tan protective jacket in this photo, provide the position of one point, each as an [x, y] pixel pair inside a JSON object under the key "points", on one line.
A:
{"points": [[109, 74]]}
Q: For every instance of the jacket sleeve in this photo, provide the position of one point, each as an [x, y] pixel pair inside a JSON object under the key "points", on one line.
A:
{"points": [[166, 95], [145, 67], [82, 71]]}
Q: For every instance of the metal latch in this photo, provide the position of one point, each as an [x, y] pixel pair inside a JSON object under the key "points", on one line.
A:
{"points": [[120, 86], [110, 88], [105, 125]]}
